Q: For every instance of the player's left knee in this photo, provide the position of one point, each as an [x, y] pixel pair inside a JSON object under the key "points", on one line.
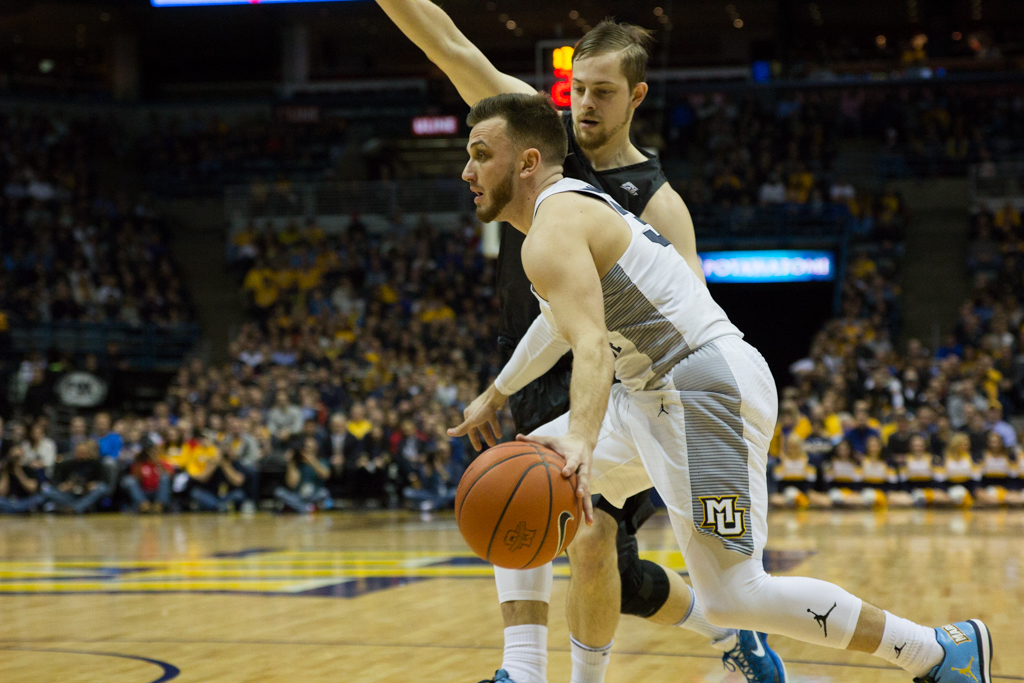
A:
{"points": [[594, 546]]}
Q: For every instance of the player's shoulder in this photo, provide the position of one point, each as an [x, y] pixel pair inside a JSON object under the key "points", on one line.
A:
{"points": [[567, 210], [664, 199]]}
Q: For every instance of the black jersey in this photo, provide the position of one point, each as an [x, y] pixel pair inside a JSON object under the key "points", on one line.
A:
{"points": [[548, 397]]}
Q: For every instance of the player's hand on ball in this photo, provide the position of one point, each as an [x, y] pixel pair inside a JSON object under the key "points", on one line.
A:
{"points": [[481, 419], [579, 456]]}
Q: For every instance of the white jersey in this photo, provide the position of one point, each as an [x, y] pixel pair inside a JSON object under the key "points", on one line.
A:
{"points": [[656, 309]]}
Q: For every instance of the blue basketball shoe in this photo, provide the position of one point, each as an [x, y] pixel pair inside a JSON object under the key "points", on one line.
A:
{"points": [[968, 658], [754, 659], [500, 676]]}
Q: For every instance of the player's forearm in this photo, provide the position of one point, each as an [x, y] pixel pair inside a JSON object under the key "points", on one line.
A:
{"points": [[593, 369], [536, 353], [429, 27]]}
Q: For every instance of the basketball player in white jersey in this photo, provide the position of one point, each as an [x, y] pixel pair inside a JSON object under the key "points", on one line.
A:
{"points": [[608, 84], [694, 411]]}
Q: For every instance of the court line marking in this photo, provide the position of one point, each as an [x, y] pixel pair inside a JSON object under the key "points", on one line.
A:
{"points": [[625, 653], [170, 672]]}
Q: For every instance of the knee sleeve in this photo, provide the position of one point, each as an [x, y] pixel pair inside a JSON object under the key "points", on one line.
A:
{"points": [[739, 594], [524, 584], [645, 586]]}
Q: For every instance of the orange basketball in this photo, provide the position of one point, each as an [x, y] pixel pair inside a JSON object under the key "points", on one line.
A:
{"points": [[514, 507]]}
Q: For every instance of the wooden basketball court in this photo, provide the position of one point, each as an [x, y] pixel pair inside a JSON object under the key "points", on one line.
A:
{"points": [[374, 597]]}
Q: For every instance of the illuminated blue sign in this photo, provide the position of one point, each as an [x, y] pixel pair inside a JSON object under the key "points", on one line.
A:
{"points": [[768, 266], [193, 3]]}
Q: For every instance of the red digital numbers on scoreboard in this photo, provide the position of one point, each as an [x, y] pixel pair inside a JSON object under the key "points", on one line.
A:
{"points": [[561, 60]]}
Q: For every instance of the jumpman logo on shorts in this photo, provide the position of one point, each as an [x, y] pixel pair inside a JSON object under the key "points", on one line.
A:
{"points": [[662, 411], [822, 619]]}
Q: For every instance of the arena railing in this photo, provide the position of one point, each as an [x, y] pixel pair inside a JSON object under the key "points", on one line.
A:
{"points": [[146, 347], [443, 195], [379, 203]]}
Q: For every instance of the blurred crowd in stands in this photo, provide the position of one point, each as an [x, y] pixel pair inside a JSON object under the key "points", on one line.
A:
{"points": [[768, 148], [762, 164], [69, 254], [199, 155], [826, 60], [362, 352], [868, 425], [364, 346]]}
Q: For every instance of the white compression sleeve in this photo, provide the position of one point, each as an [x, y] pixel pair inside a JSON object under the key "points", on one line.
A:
{"points": [[735, 592], [537, 352], [524, 584]]}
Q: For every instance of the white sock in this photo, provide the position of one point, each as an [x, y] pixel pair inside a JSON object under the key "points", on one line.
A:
{"points": [[589, 664], [526, 653], [909, 646], [723, 639]]}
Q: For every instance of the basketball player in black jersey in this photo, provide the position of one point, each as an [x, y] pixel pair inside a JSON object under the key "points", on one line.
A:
{"points": [[608, 84]]}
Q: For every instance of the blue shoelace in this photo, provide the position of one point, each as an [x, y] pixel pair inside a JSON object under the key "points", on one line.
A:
{"points": [[736, 660]]}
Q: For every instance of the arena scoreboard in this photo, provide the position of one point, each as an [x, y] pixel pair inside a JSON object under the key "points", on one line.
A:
{"points": [[561, 63]]}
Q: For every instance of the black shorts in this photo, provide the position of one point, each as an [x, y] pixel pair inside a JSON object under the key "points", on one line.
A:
{"points": [[543, 399], [634, 512]]}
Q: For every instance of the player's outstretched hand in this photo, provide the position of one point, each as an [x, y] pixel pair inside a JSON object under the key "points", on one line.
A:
{"points": [[579, 457], [481, 419]]}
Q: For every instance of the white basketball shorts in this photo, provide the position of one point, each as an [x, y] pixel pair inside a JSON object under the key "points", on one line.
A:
{"points": [[703, 444]]}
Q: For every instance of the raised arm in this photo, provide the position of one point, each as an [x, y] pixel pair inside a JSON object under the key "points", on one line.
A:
{"points": [[433, 31], [559, 262]]}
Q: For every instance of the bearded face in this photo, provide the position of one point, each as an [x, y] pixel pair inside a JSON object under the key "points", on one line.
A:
{"points": [[493, 201]]}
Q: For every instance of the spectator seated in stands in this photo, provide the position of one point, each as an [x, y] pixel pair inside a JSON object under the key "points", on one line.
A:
{"points": [[78, 481], [897, 439], [214, 483], [19, 483], [796, 477], [863, 429], [284, 420], [242, 449], [40, 451], [431, 482], [996, 424], [149, 482], [1002, 481], [371, 476], [306, 477], [108, 445]]}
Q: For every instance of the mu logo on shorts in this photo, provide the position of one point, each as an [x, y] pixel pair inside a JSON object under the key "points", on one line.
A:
{"points": [[723, 516], [520, 537]]}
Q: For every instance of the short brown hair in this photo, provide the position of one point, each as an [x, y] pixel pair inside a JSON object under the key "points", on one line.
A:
{"points": [[611, 36], [531, 121]]}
